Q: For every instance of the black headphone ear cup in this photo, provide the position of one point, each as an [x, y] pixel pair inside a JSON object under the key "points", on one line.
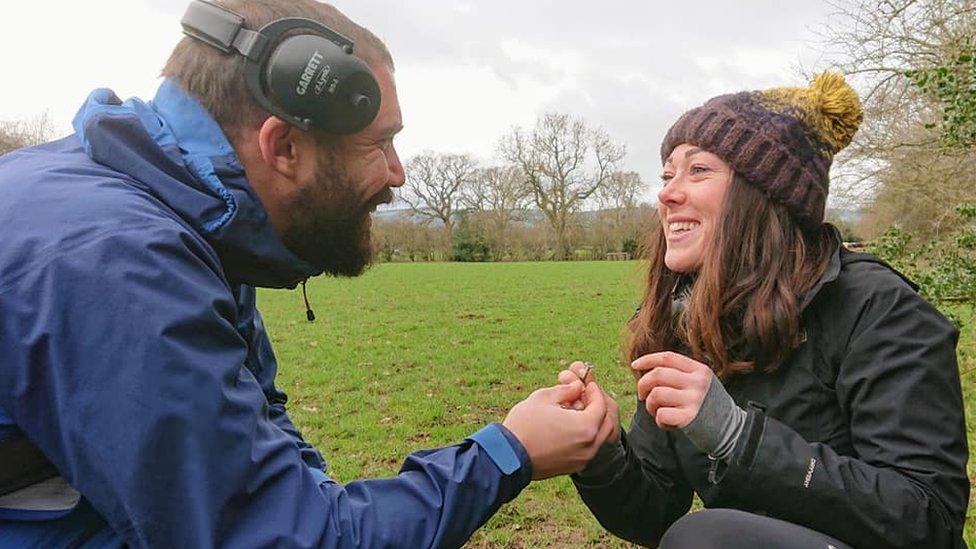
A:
{"points": [[312, 78]]}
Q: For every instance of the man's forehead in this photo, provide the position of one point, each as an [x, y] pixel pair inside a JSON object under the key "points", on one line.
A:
{"points": [[389, 120]]}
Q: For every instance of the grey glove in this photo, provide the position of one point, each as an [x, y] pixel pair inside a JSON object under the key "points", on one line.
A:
{"points": [[718, 424], [714, 431]]}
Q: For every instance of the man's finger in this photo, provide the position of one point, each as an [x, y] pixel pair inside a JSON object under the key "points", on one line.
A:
{"points": [[566, 377], [596, 404], [583, 371], [592, 389], [612, 406], [562, 394], [606, 430]]}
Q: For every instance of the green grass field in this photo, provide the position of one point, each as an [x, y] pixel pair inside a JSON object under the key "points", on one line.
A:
{"points": [[414, 356]]}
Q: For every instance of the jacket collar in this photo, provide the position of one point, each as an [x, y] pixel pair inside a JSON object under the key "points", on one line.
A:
{"points": [[832, 272], [175, 150]]}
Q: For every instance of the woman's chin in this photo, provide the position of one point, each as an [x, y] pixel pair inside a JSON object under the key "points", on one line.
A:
{"points": [[681, 262]]}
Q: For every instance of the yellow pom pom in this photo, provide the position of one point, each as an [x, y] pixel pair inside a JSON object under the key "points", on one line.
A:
{"points": [[830, 107], [837, 109]]}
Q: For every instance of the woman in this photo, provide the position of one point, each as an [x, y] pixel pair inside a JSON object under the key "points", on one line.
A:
{"points": [[807, 394]]}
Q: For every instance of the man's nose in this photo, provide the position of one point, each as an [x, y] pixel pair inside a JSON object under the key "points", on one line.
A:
{"points": [[397, 177]]}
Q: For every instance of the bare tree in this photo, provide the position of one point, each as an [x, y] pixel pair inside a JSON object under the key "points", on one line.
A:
{"points": [[620, 219], [434, 185], [621, 193], [563, 162], [899, 167], [407, 240], [496, 196], [16, 134]]}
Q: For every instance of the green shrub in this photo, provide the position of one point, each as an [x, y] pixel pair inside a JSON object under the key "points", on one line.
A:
{"points": [[945, 270]]}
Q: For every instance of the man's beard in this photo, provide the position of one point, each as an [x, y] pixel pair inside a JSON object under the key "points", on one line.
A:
{"points": [[330, 228]]}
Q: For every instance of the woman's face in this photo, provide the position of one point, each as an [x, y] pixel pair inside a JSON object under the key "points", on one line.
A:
{"points": [[690, 204]]}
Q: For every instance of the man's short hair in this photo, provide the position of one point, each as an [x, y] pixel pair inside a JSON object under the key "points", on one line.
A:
{"points": [[216, 79]]}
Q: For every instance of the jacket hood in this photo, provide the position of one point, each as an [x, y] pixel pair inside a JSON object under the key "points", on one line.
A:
{"points": [[177, 152]]}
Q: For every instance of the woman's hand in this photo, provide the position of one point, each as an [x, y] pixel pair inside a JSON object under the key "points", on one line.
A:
{"points": [[672, 387], [578, 371]]}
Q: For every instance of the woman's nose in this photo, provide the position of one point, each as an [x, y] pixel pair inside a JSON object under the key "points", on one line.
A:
{"points": [[672, 192]]}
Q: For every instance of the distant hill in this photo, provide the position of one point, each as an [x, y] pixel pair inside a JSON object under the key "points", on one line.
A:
{"points": [[397, 214], [846, 215], [531, 216]]}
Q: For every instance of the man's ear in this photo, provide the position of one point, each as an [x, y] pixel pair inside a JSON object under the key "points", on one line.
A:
{"points": [[282, 146]]}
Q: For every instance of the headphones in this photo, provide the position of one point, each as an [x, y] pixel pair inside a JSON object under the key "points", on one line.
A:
{"points": [[309, 79]]}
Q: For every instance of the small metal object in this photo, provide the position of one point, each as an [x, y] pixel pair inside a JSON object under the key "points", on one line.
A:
{"points": [[587, 368]]}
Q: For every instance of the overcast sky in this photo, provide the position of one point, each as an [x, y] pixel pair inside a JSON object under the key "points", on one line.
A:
{"points": [[467, 71]]}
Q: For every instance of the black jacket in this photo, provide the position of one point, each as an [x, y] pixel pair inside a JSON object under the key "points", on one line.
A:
{"points": [[860, 434]]}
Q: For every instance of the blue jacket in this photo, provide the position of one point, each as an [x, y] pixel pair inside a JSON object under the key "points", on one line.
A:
{"points": [[135, 359]]}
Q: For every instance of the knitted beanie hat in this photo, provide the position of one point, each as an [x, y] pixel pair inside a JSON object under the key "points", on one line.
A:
{"points": [[781, 140]]}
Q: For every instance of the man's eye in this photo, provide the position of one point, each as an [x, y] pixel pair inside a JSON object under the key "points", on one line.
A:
{"points": [[699, 169], [665, 177]]}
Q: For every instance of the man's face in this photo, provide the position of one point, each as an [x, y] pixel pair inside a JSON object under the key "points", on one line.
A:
{"points": [[330, 225]]}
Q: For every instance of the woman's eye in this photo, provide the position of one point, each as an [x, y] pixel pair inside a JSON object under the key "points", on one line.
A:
{"points": [[699, 169], [665, 177]]}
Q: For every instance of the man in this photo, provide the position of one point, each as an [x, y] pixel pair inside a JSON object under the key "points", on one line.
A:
{"points": [[136, 362]]}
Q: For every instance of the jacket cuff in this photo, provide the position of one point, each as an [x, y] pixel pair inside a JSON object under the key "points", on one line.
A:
{"points": [[747, 445], [745, 448], [606, 468], [609, 459], [504, 449]]}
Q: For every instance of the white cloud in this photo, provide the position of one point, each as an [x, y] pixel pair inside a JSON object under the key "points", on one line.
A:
{"points": [[57, 54], [463, 109]]}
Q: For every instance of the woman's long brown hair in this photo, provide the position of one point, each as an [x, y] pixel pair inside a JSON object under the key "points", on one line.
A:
{"points": [[743, 307]]}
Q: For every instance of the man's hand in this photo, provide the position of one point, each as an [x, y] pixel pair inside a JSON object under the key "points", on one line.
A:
{"points": [[578, 371], [560, 440], [672, 387]]}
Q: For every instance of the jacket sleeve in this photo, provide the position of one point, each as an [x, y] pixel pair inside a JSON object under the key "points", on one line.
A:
{"points": [[898, 384], [279, 416], [265, 369], [641, 495], [131, 379]]}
